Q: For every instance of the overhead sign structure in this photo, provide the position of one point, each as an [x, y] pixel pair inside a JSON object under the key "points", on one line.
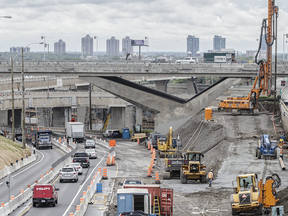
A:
{"points": [[139, 43]]}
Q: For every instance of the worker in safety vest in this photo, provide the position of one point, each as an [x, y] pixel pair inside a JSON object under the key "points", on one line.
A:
{"points": [[281, 152], [210, 177], [281, 142]]}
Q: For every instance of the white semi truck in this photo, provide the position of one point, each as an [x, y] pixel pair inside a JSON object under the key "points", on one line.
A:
{"points": [[75, 130]]}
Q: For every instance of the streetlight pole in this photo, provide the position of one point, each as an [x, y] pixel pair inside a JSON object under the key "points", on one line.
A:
{"points": [[43, 37], [12, 91]]}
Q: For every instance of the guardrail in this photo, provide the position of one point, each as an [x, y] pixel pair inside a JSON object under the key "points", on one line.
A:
{"points": [[10, 206]]}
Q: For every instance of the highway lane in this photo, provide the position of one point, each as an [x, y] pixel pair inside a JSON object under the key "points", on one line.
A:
{"points": [[29, 174], [70, 192]]}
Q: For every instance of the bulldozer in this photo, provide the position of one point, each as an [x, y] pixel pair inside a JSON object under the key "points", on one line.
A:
{"points": [[167, 144], [193, 169], [250, 197]]}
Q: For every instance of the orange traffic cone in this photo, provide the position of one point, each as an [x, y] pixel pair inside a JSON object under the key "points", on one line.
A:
{"points": [[157, 181], [151, 149], [113, 160], [138, 142], [99, 170], [104, 173], [149, 172], [108, 163], [148, 146]]}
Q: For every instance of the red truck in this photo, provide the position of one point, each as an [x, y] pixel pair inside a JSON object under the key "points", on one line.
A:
{"points": [[45, 194]]}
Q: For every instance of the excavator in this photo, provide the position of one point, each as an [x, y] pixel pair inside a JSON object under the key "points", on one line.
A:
{"points": [[167, 145], [249, 104], [248, 197]]}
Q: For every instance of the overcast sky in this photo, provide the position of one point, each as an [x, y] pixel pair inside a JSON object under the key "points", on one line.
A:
{"points": [[167, 23]]}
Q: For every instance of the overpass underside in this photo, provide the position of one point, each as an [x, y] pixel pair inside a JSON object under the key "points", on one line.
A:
{"points": [[169, 110]]}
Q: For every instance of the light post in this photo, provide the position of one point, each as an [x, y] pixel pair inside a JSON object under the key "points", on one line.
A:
{"points": [[23, 98], [96, 37], [284, 35], [43, 37], [48, 51], [147, 38]]}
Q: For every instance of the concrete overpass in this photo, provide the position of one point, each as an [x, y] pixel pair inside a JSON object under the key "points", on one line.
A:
{"points": [[168, 109]]}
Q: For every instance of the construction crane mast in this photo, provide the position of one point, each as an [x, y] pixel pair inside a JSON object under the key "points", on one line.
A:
{"points": [[250, 103]]}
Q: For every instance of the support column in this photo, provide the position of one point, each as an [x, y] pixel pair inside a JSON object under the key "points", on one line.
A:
{"points": [[58, 114], [118, 117], [138, 116], [161, 85], [192, 86], [4, 120], [129, 116]]}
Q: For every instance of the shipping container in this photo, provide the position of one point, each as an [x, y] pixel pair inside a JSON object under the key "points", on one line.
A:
{"points": [[165, 196], [132, 199]]}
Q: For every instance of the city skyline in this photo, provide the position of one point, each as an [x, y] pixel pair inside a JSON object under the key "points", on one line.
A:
{"points": [[167, 25]]}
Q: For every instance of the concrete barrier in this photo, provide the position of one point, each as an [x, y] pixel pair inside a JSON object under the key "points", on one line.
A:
{"points": [[16, 166], [10, 206], [88, 196]]}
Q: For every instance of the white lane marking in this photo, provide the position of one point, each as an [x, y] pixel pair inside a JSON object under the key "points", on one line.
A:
{"points": [[82, 187], [30, 166]]}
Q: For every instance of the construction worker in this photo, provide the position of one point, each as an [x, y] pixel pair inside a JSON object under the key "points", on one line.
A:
{"points": [[281, 152], [210, 177], [281, 142]]}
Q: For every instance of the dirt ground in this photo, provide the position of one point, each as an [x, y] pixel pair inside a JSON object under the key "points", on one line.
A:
{"points": [[10, 152], [229, 143]]}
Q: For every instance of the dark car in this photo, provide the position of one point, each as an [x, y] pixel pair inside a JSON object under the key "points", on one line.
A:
{"points": [[162, 60], [18, 137], [2, 133], [116, 134]]}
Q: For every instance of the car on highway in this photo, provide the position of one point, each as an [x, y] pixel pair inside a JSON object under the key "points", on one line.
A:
{"points": [[89, 143], [116, 134], [107, 133], [18, 137], [45, 194], [77, 166], [92, 153], [82, 158], [68, 174]]}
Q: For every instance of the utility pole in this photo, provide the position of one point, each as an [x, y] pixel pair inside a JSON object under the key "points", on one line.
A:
{"points": [[23, 103], [90, 112], [275, 81], [12, 91]]}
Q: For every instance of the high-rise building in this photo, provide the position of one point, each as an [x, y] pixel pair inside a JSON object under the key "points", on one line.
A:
{"points": [[192, 44], [126, 46], [60, 47], [18, 49], [87, 45], [112, 46], [219, 43]]}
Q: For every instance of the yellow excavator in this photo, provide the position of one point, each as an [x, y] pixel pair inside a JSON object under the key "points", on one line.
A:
{"points": [[250, 197], [250, 103], [167, 144]]}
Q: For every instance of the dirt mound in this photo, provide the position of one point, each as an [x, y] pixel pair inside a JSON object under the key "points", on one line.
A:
{"points": [[10, 152], [283, 199], [207, 137]]}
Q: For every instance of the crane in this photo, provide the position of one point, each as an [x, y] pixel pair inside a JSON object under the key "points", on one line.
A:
{"points": [[250, 103]]}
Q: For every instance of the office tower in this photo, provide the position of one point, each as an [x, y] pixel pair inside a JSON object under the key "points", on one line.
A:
{"points": [[219, 43], [112, 46], [126, 46], [18, 49], [60, 47], [87, 45], [192, 44]]}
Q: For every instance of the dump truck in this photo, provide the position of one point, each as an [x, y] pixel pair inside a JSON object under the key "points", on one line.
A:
{"points": [[75, 130], [250, 197], [153, 138], [193, 169], [137, 129], [266, 147], [42, 139], [172, 164]]}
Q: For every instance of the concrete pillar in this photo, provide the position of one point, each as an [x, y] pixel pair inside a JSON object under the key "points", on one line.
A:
{"points": [[58, 117], [161, 85], [138, 116], [129, 116], [117, 117], [67, 113], [81, 113], [4, 117], [192, 86]]}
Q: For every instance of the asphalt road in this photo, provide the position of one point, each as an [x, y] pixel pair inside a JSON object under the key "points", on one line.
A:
{"points": [[69, 193]]}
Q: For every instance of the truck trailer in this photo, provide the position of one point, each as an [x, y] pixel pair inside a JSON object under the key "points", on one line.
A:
{"points": [[75, 130]]}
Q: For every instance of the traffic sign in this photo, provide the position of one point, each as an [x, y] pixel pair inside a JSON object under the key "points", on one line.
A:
{"points": [[112, 143]]}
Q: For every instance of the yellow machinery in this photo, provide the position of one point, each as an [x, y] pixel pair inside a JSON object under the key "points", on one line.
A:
{"points": [[172, 164], [166, 144], [250, 103], [193, 169], [249, 197], [137, 129]]}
